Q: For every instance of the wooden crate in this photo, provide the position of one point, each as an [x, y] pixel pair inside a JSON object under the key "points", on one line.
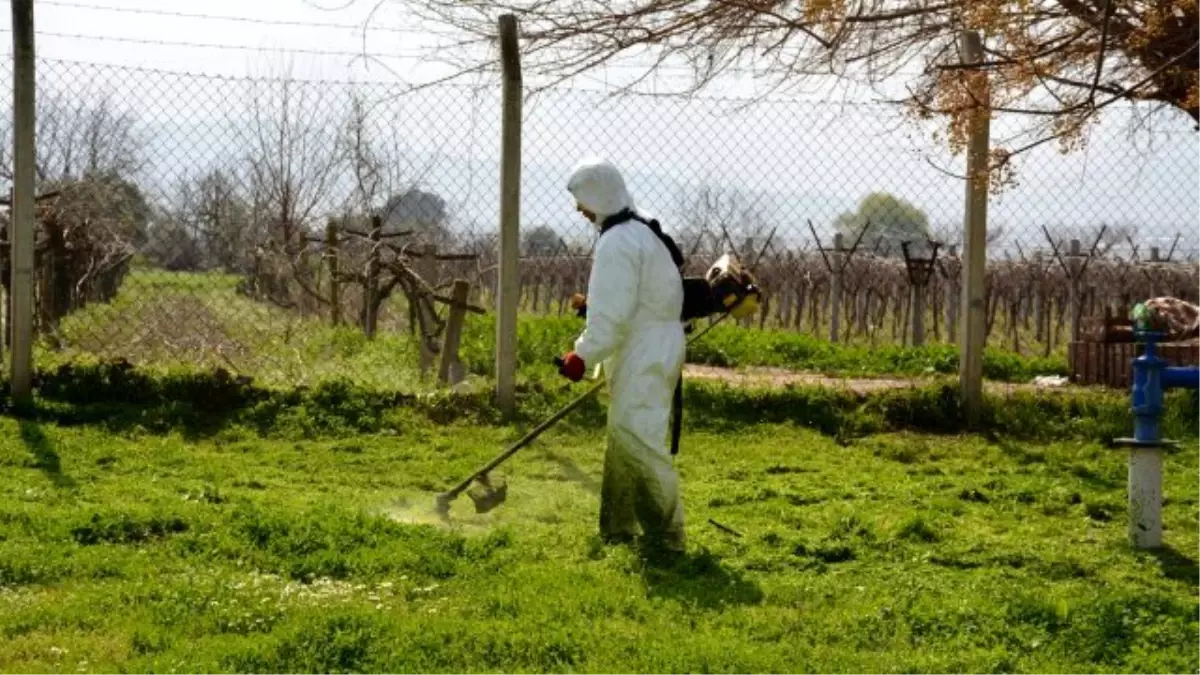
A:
{"points": [[1110, 364]]}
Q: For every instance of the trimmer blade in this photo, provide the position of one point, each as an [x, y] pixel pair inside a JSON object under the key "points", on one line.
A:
{"points": [[487, 493]]}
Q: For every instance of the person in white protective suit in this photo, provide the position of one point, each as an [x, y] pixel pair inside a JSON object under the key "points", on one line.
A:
{"points": [[634, 300]]}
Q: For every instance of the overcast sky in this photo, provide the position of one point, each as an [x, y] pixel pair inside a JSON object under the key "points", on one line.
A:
{"points": [[804, 160]]}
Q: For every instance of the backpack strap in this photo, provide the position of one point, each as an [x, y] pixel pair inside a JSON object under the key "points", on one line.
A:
{"points": [[628, 214]]}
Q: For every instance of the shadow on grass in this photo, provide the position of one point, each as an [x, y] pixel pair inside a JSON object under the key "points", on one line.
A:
{"points": [[42, 449], [1094, 478], [699, 579], [119, 397], [1016, 450], [1177, 566], [574, 473], [164, 418], [200, 404], [1087, 474]]}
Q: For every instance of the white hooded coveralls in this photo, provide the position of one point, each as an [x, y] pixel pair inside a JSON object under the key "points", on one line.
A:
{"points": [[634, 301]]}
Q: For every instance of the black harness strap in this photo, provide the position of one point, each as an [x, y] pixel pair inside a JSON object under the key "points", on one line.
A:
{"points": [[677, 415], [676, 257], [627, 215]]}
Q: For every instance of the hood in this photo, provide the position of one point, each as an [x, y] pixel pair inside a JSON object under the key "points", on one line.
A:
{"points": [[597, 185]]}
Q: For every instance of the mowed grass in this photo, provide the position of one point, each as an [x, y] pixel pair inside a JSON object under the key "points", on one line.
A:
{"points": [[280, 552], [175, 320]]}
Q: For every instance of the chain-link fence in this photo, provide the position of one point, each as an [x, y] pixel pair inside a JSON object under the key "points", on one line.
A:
{"points": [[291, 229]]}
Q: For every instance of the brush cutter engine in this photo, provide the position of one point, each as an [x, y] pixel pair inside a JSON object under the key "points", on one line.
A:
{"points": [[727, 286]]}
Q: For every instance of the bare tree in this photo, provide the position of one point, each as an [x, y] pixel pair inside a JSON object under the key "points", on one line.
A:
{"points": [[387, 222], [293, 168], [77, 138], [378, 163], [715, 219], [222, 218], [385, 182], [206, 224]]}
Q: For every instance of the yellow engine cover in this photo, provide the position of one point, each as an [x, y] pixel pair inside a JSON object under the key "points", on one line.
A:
{"points": [[730, 281], [748, 306]]}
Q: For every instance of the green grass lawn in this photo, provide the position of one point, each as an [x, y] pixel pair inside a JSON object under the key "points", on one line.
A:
{"points": [[212, 525], [127, 548]]}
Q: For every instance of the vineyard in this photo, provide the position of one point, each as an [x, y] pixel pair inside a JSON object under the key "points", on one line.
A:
{"points": [[1035, 304]]}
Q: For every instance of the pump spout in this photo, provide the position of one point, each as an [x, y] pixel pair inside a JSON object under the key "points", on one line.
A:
{"points": [[1181, 377]]}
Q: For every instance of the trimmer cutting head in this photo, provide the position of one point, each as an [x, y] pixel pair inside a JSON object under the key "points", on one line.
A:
{"points": [[487, 493]]}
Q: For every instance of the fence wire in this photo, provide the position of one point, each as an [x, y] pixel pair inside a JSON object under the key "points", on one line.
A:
{"points": [[294, 230]]}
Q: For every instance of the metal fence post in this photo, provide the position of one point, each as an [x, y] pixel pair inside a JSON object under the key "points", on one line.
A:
{"points": [[23, 210], [974, 260], [507, 286]]}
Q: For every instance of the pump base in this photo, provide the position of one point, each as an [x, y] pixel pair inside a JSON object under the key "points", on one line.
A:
{"points": [[1135, 443]]}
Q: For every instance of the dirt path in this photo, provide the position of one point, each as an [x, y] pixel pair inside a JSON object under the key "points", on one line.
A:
{"points": [[781, 377]]}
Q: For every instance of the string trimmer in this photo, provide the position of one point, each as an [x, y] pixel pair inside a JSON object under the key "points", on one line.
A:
{"points": [[488, 495]]}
